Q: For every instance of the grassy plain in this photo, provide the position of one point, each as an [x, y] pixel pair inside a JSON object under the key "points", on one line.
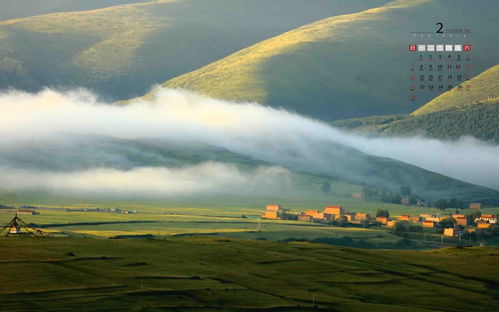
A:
{"points": [[214, 274], [219, 217]]}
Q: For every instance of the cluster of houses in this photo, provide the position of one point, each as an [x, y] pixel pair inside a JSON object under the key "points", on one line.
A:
{"points": [[331, 213], [461, 222]]}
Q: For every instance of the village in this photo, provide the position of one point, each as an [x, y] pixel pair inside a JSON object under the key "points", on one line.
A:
{"points": [[452, 225]]}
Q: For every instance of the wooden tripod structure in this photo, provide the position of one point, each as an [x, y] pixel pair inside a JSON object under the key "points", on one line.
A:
{"points": [[17, 227]]}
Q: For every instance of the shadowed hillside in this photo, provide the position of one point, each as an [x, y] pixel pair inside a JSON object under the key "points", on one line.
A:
{"points": [[121, 51], [345, 66]]}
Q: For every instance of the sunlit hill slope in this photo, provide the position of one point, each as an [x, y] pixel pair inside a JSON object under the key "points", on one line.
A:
{"points": [[121, 51], [344, 66]]}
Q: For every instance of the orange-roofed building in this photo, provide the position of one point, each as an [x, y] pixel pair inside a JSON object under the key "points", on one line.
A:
{"points": [[458, 216], [490, 218], [461, 221], [476, 206], [450, 232], [315, 214], [311, 212], [414, 219], [404, 217], [429, 224], [470, 230], [482, 225], [305, 218], [360, 216], [382, 220], [319, 216], [433, 218], [273, 215], [273, 207], [391, 223], [334, 210], [487, 216]]}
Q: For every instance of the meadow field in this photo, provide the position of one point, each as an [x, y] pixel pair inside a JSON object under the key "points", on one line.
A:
{"points": [[232, 218], [215, 274]]}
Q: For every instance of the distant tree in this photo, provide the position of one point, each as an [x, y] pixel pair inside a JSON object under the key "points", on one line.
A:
{"points": [[406, 190], [448, 223], [382, 213], [392, 198], [442, 204], [400, 227], [472, 216], [415, 228], [326, 188], [369, 192], [454, 203], [468, 235], [341, 221], [413, 200]]}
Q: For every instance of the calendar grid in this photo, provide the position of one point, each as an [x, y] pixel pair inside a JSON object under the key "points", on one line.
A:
{"points": [[439, 63]]}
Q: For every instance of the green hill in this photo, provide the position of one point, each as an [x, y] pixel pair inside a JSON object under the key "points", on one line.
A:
{"points": [[218, 274], [121, 51], [484, 89], [452, 115], [25, 8], [344, 66]]}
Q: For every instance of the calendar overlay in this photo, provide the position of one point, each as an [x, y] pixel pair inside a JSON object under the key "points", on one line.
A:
{"points": [[438, 64]]}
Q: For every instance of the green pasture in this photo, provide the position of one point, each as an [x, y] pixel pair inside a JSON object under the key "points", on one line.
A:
{"points": [[220, 274]]}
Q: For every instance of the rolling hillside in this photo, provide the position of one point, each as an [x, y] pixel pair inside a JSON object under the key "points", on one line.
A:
{"points": [[344, 66], [452, 115], [24, 8], [121, 51]]}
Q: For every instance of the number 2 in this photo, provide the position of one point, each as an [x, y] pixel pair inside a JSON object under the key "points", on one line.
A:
{"points": [[439, 31]]}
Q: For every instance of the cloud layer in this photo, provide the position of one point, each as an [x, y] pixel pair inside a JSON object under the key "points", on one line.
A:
{"points": [[262, 133], [204, 178]]}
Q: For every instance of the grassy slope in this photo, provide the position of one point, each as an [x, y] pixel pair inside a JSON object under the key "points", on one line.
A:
{"points": [[121, 51], [200, 274], [340, 67], [25, 8], [484, 89], [449, 116]]}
